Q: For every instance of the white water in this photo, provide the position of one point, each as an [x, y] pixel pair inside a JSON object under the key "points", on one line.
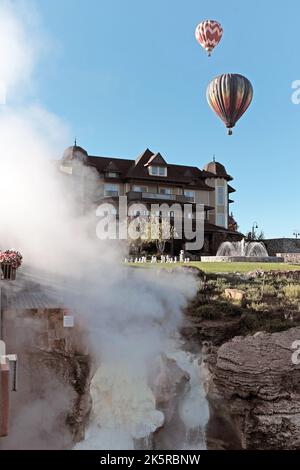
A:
{"points": [[124, 406], [242, 248], [194, 410]]}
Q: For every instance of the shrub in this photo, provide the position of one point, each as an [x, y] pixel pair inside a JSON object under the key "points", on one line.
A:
{"points": [[259, 306], [221, 283], [209, 312], [292, 291], [253, 294], [269, 291]]}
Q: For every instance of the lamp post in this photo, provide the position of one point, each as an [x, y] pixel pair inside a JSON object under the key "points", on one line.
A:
{"points": [[254, 227], [296, 234]]}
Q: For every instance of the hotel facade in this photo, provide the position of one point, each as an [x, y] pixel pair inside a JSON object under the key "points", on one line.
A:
{"points": [[150, 179]]}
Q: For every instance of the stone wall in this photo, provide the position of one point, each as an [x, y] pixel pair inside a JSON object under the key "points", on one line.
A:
{"points": [[293, 258], [282, 245], [241, 259], [54, 371]]}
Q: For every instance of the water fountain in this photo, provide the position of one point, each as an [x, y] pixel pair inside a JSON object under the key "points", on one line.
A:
{"points": [[242, 251]]}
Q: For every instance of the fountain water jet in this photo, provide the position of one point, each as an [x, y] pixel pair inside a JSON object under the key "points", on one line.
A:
{"points": [[242, 251]]}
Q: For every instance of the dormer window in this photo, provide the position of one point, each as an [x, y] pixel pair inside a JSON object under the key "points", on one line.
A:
{"points": [[111, 170], [158, 170]]}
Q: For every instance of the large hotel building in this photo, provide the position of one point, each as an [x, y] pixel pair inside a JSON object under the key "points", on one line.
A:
{"points": [[151, 179]]}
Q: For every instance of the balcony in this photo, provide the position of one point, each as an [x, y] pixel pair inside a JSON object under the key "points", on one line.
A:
{"points": [[139, 196], [108, 193]]}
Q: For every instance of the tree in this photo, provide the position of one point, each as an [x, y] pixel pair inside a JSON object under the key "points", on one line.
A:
{"points": [[261, 236], [147, 230], [253, 236]]}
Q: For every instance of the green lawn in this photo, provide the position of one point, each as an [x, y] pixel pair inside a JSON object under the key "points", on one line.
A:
{"points": [[223, 267]]}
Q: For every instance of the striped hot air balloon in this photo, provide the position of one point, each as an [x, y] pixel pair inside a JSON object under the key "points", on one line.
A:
{"points": [[229, 96], [209, 33]]}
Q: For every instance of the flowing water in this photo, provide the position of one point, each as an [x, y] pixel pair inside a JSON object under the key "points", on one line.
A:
{"points": [[193, 410], [125, 414]]}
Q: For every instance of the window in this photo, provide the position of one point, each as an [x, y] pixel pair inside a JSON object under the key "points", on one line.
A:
{"points": [[190, 194], [165, 191], [220, 220], [111, 190], [158, 170], [140, 189], [153, 170], [220, 195], [112, 174]]}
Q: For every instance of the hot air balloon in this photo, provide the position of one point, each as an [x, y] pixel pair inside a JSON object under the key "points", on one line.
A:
{"points": [[229, 96], [208, 33]]}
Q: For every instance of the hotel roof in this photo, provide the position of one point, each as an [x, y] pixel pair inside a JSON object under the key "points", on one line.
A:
{"points": [[129, 169]]}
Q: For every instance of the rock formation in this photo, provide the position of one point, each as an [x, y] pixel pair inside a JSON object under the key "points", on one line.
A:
{"points": [[52, 404], [234, 294], [256, 390]]}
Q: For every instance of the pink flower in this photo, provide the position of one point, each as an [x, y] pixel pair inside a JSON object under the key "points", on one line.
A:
{"points": [[12, 257]]}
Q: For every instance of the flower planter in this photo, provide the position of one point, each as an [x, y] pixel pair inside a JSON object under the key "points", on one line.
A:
{"points": [[10, 261], [8, 272]]}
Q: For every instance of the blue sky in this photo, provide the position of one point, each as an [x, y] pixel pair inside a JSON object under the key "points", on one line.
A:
{"points": [[128, 75]]}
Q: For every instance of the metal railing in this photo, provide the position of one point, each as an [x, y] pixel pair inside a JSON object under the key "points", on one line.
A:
{"points": [[137, 195], [109, 193]]}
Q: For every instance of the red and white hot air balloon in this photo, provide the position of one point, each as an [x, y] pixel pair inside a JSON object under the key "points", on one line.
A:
{"points": [[209, 33]]}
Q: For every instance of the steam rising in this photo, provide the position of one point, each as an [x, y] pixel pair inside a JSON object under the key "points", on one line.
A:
{"points": [[17, 54], [130, 315]]}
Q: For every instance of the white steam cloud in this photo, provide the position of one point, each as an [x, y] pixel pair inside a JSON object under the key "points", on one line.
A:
{"points": [[19, 47], [130, 315]]}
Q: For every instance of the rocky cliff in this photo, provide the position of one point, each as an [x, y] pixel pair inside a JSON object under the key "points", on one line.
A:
{"points": [[256, 390]]}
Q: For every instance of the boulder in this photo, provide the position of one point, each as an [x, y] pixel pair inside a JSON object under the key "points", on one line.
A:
{"points": [[234, 294]]}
